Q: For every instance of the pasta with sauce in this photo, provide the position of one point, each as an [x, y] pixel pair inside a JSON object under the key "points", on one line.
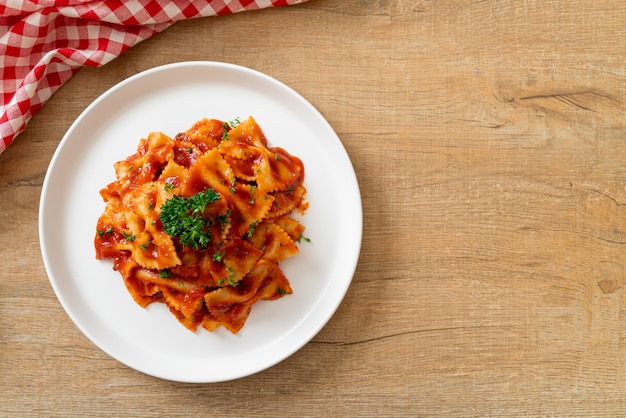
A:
{"points": [[201, 221]]}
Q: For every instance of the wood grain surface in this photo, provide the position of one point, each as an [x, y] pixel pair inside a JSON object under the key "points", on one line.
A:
{"points": [[489, 140]]}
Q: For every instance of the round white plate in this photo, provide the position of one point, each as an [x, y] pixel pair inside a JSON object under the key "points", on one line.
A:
{"points": [[170, 99]]}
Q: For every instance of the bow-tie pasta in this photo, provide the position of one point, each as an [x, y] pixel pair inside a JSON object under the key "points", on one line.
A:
{"points": [[201, 221]]}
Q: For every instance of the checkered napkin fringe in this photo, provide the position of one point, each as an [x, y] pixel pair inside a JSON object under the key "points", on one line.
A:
{"points": [[44, 42]]}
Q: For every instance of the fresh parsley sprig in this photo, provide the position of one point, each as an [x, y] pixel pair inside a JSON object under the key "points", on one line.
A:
{"points": [[183, 218]]}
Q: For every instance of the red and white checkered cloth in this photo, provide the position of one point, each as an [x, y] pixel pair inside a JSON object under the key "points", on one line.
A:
{"points": [[44, 42]]}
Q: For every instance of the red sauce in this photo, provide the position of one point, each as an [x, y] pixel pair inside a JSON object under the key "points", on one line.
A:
{"points": [[230, 262]]}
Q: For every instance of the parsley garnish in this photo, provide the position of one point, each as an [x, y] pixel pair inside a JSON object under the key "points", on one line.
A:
{"points": [[252, 226], [165, 274], [107, 231], [302, 237], [282, 291], [218, 257], [228, 126], [128, 236], [183, 218]]}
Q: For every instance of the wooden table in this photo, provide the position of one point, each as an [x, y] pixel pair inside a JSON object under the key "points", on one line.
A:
{"points": [[488, 138]]}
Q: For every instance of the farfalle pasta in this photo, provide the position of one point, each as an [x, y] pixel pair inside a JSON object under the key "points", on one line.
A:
{"points": [[202, 220]]}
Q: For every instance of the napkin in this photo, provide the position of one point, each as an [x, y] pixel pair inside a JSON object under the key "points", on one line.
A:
{"points": [[44, 42]]}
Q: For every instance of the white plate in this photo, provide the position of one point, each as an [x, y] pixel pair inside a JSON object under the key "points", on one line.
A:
{"points": [[170, 99]]}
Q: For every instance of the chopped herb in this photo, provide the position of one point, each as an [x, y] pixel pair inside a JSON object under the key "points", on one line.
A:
{"points": [[165, 274], [251, 202], [252, 189], [217, 257], [282, 291], [252, 226], [231, 273], [168, 186], [181, 284], [183, 218], [276, 157], [144, 246], [108, 231], [221, 282], [232, 283], [302, 237], [128, 236], [228, 126], [232, 186]]}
